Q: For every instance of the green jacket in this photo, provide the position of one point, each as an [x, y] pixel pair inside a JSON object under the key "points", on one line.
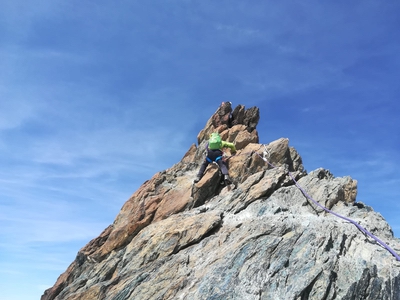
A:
{"points": [[228, 145]]}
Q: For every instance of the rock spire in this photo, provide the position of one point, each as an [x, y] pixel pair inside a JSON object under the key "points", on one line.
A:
{"points": [[260, 239]]}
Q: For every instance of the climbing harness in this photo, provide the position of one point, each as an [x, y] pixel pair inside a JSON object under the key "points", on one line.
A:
{"points": [[211, 161], [265, 157]]}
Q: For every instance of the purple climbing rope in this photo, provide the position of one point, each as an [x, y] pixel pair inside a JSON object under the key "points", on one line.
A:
{"points": [[336, 214]]}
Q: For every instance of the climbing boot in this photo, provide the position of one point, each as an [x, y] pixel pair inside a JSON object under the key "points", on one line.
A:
{"points": [[227, 179]]}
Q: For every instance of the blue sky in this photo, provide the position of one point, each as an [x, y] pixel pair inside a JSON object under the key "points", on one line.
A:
{"points": [[97, 96]]}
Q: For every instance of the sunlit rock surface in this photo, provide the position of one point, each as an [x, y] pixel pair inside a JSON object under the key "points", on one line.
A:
{"points": [[259, 238]]}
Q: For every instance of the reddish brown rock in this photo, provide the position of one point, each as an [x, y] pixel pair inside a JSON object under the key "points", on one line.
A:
{"points": [[258, 239], [226, 122]]}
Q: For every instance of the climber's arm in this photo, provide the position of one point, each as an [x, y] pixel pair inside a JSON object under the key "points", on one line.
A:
{"points": [[229, 145]]}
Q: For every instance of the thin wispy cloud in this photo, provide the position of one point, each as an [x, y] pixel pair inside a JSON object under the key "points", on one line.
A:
{"points": [[97, 97]]}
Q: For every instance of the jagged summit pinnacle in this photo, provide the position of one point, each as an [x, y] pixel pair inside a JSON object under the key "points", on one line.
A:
{"points": [[262, 239], [231, 122]]}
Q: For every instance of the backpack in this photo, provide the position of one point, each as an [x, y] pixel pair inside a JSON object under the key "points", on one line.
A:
{"points": [[215, 141]]}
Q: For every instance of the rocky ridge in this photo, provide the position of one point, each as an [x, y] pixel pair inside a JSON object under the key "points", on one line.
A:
{"points": [[258, 239]]}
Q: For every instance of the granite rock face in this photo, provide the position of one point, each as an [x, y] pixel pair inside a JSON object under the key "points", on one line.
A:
{"points": [[259, 238]]}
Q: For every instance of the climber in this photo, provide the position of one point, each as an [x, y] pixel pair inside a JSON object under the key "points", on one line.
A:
{"points": [[214, 154]]}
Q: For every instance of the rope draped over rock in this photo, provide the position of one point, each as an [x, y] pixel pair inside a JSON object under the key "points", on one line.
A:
{"points": [[365, 231]]}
